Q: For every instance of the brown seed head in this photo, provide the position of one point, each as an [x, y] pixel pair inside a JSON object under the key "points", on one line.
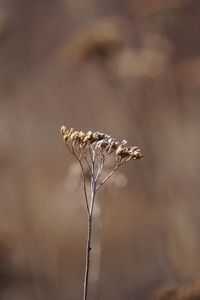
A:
{"points": [[74, 136], [126, 153], [63, 129], [102, 142], [88, 137], [136, 153], [66, 137], [81, 136]]}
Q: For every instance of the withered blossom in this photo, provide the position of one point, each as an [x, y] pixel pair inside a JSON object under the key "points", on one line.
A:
{"points": [[99, 141]]}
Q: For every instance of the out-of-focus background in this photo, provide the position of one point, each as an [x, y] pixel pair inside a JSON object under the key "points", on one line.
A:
{"points": [[125, 67]]}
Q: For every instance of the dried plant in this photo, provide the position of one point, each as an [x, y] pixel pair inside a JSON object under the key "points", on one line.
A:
{"points": [[97, 40], [91, 151], [186, 292]]}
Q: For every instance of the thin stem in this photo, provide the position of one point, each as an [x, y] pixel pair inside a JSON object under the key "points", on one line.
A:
{"points": [[93, 158], [87, 162], [92, 199], [89, 236], [87, 264], [93, 185], [90, 152], [84, 187], [83, 175], [72, 152], [108, 176], [100, 167], [109, 153]]}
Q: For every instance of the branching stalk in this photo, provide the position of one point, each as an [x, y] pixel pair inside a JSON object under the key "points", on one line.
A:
{"points": [[108, 176], [93, 149]]}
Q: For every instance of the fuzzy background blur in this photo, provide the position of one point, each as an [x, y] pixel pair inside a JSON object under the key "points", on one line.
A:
{"points": [[130, 69]]}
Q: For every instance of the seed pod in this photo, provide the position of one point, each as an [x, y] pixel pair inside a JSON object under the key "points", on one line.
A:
{"points": [[63, 129], [66, 137], [74, 136], [81, 135]]}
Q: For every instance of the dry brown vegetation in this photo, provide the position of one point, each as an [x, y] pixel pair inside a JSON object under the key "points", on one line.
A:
{"points": [[130, 68], [188, 292]]}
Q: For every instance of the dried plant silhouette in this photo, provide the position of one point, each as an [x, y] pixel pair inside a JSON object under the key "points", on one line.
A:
{"points": [[91, 151]]}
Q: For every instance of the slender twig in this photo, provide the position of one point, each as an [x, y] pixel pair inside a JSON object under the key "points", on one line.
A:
{"points": [[89, 229], [88, 165], [92, 198], [93, 158], [83, 175], [87, 260], [90, 152], [71, 151], [108, 176], [100, 167], [84, 186]]}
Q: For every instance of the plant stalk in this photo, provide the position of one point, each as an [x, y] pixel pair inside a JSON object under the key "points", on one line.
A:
{"points": [[89, 235], [87, 263]]}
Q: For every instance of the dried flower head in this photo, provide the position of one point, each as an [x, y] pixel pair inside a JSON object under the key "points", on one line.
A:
{"points": [[99, 142]]}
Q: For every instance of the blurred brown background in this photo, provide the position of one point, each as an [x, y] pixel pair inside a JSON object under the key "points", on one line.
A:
{"points": [[131, 69]]}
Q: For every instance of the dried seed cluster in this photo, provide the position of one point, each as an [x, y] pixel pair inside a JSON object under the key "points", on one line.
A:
{"points": [[124, 153], [100, 142]]}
